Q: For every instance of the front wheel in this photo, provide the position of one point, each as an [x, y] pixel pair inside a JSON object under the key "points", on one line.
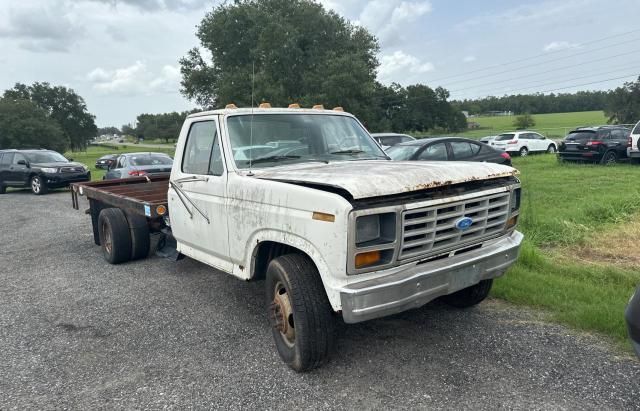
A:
{"points": [[470, 296], [38, 187], [551, 149], [524, 152], [299, 312]]}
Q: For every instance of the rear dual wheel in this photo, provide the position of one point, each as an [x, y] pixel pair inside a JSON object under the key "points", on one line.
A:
{"points": [[122, 239]]}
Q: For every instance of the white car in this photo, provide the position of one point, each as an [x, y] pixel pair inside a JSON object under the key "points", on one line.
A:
{"points": [[522, 143], [633, 148]]}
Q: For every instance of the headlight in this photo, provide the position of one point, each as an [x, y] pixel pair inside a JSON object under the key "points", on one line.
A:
{"points": [[375, 229], [49, 170]]}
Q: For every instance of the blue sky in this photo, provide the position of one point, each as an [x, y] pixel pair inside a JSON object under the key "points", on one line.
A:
{"points": [[122, 55]]}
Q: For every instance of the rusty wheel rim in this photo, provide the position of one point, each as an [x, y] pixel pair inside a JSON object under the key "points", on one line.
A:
{"points": [[282, 314], [107, 238]]}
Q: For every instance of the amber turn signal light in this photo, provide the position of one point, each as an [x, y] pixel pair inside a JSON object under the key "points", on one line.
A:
{"points": [[512, 222], [368, 258]]}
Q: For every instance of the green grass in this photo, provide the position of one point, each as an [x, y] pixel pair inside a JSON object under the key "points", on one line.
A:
{"points": [[563, 205], [90, 156], [555, 125]]}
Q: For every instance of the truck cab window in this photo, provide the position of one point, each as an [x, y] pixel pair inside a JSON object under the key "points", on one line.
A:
{"points": [[202, 151]]}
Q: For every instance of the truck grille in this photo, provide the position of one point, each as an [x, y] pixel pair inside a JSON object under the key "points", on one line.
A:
{"points": [[432, 229]]}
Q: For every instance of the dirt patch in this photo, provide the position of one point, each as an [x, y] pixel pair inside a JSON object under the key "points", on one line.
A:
{"points": [[618, 245]]}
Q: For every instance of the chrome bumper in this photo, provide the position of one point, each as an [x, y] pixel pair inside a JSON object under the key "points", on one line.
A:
{"points": [[417, 283]]}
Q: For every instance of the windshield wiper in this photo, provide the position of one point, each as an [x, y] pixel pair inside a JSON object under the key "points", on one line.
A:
{"points": [[273, 158], [348, 152]]}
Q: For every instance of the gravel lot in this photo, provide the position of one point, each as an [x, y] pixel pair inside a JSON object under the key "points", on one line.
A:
{"points": [[78, 333]]}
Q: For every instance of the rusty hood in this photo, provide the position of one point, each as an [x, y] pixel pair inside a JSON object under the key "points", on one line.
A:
{"points": [[366, 179]]}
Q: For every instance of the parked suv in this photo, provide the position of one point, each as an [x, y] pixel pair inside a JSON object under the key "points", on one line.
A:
{"points": [[522, 143], [633, 149], [633, 320], [39, 169], [604, 144]]}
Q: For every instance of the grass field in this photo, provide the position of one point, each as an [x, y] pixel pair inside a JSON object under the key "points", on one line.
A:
{"points": [[555, 125], [568, 210]]}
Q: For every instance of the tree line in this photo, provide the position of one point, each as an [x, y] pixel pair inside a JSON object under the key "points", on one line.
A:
{"points": [[44, 116]]}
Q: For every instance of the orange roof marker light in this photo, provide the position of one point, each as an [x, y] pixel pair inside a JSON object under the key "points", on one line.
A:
{"points": [[338, 108], [318, 107], [294, 105], [264, 105], [230, 106]]}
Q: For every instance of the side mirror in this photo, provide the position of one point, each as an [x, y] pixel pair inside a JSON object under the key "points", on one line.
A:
{"points": [[23, 163]]}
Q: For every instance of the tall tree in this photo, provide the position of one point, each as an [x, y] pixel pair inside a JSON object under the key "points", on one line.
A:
{"points": [[24, 125], [623, 104], [285, 51], [64, 106]]}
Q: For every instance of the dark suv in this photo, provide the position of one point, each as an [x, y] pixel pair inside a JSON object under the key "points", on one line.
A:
{"points": [[604, 144], [38, 169]]}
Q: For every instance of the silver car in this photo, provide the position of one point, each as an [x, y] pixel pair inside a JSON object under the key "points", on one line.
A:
{"points": [[139, 164]]}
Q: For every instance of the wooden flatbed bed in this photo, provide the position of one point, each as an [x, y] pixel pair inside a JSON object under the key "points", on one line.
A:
{"points": [[139, 195], [142, 199]]}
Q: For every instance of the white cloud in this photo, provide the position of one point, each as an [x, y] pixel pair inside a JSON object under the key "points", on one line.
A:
{"points": [[469, 59], [400, 63], [135, 79], [387, 18], [560, 45]]}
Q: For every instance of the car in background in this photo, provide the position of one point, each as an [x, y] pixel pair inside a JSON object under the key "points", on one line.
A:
{"points": [[39, 170], [139, 164], [387, 140], [487, 139], [603, 144], [633, 321], [521, 143], [106, 161], [447, 149], [633, 147]]}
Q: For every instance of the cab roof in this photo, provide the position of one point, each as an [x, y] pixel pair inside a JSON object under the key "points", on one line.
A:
{"points": [[274, 110]]}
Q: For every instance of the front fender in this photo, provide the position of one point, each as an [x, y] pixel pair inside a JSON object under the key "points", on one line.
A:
{"points": [[330, 282]]}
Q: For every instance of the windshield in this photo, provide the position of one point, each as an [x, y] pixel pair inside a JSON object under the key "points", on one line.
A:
{"points": [[150, 160], [273, 139], [503, 137], [45, 157], [401, 153]]}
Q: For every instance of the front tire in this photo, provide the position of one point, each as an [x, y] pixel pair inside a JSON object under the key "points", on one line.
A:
{"points": [[299, 312], [523, 152], [115, 238], [38, 186], [551, 149], [470, 296]]}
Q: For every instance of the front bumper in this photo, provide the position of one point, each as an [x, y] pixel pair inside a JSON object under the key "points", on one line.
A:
{"points": [[417, 283], [62, 179]]}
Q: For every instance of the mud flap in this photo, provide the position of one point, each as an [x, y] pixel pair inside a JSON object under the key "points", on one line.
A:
{"points": [[167, 247]]}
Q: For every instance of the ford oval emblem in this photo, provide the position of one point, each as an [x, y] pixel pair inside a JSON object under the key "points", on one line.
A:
{"points": [[464, 223]]}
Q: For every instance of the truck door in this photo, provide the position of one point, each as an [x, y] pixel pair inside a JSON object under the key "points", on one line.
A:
{"points": [[197, 197]]}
